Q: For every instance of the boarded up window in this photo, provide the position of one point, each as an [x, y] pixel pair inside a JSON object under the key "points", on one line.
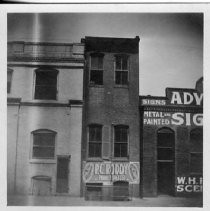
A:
{"points": [[41, 185]]}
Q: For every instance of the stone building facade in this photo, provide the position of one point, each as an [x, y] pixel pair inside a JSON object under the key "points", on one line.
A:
{"points": [[110, 150], [44, 120], [172, 142]]}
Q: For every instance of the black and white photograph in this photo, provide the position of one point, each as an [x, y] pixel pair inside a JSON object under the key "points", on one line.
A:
{"points": [[104, 107]]}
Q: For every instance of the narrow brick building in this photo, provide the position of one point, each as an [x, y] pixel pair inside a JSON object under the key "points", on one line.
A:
{"points": [[172, 142], [110, 151]]}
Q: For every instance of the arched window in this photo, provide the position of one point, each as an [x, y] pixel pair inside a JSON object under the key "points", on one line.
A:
{"points": [[41, 185], [46, 84], [121, 69], [121, 141], [43, 144], [196, 150], [96, 68], [9, 79], [165, 144], [94, 140]]}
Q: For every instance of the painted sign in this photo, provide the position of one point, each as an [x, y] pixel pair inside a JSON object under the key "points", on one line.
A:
{"points": [[189, 184], [169, 118], [156, 102], [188, 97], [111, 171]]}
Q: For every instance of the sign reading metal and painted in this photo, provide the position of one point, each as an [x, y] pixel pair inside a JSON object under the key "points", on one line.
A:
{"points": [[111, 171], [189, 184], [170, 118]]}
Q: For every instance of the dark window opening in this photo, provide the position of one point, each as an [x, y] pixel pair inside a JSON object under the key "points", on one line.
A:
{"points": [[9, 80], [96, 77], [96, 69], [43, 144], [165, 144], [196, 162], [121, 141], [46, 84], [95, 141], [196, 140]]}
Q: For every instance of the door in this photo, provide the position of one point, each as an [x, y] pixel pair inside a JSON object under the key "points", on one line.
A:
{"points": [[165, 162], [165, 178], [62, 175]]}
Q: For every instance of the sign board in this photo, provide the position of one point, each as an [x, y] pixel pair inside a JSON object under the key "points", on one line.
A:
{"points": [[95, 172], [175, 97], [187, 97], [189, 184], [172, 118]]}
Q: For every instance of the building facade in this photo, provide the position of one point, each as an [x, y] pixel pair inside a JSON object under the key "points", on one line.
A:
{"points": [[110, 149], [172, 142], [45, 100]]}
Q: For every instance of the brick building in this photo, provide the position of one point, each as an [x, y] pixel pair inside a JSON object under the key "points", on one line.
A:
{"points": [[172, 142], [110, 150], [44, 120]]}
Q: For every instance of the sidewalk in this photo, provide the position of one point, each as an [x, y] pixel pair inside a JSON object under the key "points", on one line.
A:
{"points": [[160, 201]]}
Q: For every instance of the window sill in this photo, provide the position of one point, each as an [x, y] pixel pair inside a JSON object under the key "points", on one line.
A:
{"points": [[96, 85], [48, 161], [196, 174], [44, 101], [120, 159], [94, 159], [121, 86]]}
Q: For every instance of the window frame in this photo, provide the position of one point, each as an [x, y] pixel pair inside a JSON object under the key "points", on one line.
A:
{"points": [[9, 89], [166, 130], [94, 142], [195, 152], [97, 55], [114, 141], [121, 56], [46, 69], [43, 131]]}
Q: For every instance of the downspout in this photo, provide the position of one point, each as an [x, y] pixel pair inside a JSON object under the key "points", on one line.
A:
{"points": [[16, 150], [141, 150]]}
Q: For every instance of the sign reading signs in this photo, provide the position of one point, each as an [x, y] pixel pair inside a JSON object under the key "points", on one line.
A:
{"points": [[170, 118], [189, 184], [111, 171]]}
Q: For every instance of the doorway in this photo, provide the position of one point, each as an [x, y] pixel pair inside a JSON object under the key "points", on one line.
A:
{"points": [[62, 174], [165, 162]]}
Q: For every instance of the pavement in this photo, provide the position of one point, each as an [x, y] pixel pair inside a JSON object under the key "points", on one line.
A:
{"points": [[160, 201]]}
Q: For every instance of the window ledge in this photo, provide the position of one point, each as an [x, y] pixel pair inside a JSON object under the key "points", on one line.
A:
{"points": [[121, 86], [120, 159], [94, 159], [49, 161], [96, 85]]}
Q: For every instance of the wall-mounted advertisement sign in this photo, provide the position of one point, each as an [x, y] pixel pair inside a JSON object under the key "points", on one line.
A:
{"points": [[188, 97], [170, 118], [95, 172], [189, 184], [175, 97]]}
